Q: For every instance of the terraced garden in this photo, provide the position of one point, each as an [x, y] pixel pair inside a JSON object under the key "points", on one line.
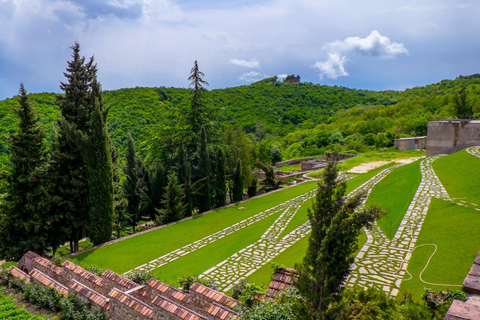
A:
{"points": [[243, 240]]}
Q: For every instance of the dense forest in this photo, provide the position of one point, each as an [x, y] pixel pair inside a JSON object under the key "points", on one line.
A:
{"points": [[301, 119]]}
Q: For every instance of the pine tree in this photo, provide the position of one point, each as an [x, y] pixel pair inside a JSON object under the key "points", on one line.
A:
{"points": [[68, 173], [173, 201], [463, 108], [157, 181], [204, 193], [24, 210], [199, 115], [332, 242], [238, 183], [185, 177]]}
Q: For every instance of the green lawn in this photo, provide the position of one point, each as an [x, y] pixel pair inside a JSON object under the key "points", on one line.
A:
{"points": [[394, 194], [460, 175], [130, 253], [454, 229]]}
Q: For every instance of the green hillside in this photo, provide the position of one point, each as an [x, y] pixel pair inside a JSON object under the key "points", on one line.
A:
{"points": [[303, 118]]}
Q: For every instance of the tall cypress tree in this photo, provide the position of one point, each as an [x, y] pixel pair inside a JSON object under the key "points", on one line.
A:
{"points": [[204, 195], [24, 210], [332, 242], [67, 167], [134, 183], [94, 146], [220, 180], [238, 182], [174, 208]]}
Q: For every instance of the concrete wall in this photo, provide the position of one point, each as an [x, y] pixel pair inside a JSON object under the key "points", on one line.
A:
{"points": [[445, 137], [411, 143]]}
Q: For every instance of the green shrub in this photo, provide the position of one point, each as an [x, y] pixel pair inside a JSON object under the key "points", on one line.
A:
{"points": [[140, 277]]}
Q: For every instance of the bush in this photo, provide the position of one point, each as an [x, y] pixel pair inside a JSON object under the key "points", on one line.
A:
{"points": [[188, 280], [74, 309], [140, 277], [44, 297]]}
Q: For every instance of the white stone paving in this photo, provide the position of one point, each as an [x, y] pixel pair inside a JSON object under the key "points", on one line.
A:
{"points": [[382, 262], [173, 255], [474, 151], [259, 253]]}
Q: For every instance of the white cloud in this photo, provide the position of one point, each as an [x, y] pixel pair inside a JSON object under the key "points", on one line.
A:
{"points": [[244, 63], [251, 76], [333, 67], [282, 76], [374, 45]]}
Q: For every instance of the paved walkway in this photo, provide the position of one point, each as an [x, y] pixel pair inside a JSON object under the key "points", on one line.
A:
{"points": [[383, 262], [248, 260], [173, 255], [474, 151]]}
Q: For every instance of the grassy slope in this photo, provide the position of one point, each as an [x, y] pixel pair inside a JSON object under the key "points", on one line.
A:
{"points": [[459, 174], [295, 253], [127, 254], [394, 194], [454, 229]]}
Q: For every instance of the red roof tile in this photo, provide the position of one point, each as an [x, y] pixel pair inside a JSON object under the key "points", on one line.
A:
{"points": [[175, 309], [47, 264], [282, 280], [88, 293], [17, 273], [131, 302], [221, 312], [218, 297], [168, 291], [48, 282], [122, 281], [82, 273]]}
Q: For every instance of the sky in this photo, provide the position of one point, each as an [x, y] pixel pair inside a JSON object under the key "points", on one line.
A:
{"points": [[365, 44]]}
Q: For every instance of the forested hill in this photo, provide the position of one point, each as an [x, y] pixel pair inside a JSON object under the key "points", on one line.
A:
{"points": [[288, 112]]}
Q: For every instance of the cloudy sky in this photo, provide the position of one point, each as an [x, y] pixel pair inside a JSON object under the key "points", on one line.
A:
{"points": [[369, 44]]}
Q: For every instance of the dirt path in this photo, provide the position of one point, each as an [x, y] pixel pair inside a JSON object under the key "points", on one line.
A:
{"points": [[365, 167]]}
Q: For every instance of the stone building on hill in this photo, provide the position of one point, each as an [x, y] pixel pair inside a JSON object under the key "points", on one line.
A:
{"points": [[445, 137], [121, 298]]}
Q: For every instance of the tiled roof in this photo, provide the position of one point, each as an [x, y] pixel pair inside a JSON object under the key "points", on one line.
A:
{"points": [[131, 302], [48, 282], [47, 264], [88, 293], [82, 272], [175, 309], [122, 281], [17, 273], [282, 280], [214, 295], [166, 290], [220, 312]]}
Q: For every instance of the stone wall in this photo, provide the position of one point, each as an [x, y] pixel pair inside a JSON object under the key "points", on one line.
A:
{"points": [[415, 143], [445, 137]]}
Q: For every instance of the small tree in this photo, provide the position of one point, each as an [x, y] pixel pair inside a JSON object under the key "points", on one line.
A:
{"points": [[463, 108], [173, 201], [332, 242], [238, 182], [220, 180]]}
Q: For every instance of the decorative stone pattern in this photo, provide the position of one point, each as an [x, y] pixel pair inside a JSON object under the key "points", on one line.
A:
{"points": [[251, 258], [171, 256], [383, 262], [474, 151]]}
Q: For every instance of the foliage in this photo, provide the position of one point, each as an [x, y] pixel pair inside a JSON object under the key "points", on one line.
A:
{"points": [[270, 182], [24, 209], [332, 241], [8, 310], [45, 297], [286, 306], [173, 202], [75, 309], [140, 277], [187, 281], [436, 300], [249, 293], [237, 190]]}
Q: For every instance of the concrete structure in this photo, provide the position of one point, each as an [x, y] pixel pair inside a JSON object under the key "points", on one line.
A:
{"points": [[414, 143], [121, 298], [470, 309], [445, 137]]}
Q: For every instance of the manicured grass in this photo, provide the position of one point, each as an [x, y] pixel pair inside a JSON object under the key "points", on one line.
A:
{"points": [[454, 229], [130, 253], [204, 258], [460, 174], [394, 194]]}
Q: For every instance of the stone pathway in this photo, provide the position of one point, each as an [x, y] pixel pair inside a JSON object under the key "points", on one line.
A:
{"points": [[383, 262], [173, 255], [259, 253], [474, 151]]}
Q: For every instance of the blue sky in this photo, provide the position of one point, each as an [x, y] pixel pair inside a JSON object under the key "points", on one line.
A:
{"points": [[374, 44]]}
